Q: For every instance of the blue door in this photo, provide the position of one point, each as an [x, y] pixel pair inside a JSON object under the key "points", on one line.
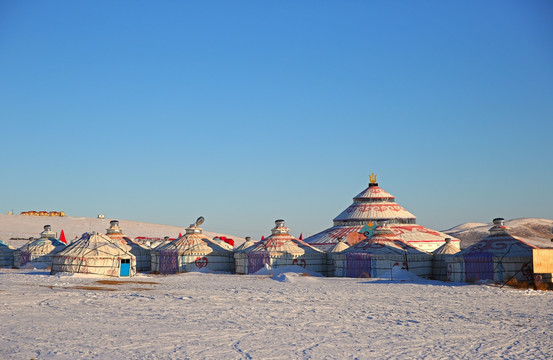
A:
{"points": [[125, 267]]}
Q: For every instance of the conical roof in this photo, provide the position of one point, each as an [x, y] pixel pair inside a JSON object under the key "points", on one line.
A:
{"points": [[193, 242], [6, 247], [115, 232], [281, 242], [246, 244], [446, 249], [500, 243], [46, 244], [96, 245], [384, 242], [341, 245]]}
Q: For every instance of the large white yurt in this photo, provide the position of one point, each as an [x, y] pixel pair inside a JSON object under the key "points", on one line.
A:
{"points": [[96, 254], [439, 265], [38, 253], [192, 252], [278, 250], [6, 254], [498, 257], [142, 253], [371, 205], [337, 248], [377, 255]]}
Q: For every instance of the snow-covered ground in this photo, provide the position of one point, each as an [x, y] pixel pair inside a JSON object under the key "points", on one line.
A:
{"points": [[283, 316]]}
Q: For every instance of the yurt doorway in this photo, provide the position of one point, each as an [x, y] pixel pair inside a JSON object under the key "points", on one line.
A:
{"points": [[125, 267]]}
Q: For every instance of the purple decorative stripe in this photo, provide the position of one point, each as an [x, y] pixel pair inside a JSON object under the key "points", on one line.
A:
{"points": [[478, 266], [257, 260], [168, 262]]}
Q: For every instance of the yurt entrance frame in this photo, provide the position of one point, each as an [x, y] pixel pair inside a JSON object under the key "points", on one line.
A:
{"points": [[358, 264], [479, 266], [125, 268], [256, 261]]}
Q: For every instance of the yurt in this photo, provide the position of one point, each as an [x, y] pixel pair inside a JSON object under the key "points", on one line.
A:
{"points": [[370, 206], [96, 254], [142, 253], [246, 244], [38, 253], [337, 248], [498, 257], [280, 249], [439, 265], [377, 255], [192, 252], [6, 254]]}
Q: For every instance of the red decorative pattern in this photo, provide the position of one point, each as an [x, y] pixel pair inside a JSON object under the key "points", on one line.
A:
{"points": [[374, 207], [299, 262], [201, 262]]}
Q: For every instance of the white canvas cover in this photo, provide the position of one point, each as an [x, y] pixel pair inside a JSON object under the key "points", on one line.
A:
{"points": [[246, 244], [340, 246], [141, 252], [94, 254], [6, 254], [497, 257], [192, 252], [378, 255], [370, 206], [38, 253], [280, 249], [439, 265]]}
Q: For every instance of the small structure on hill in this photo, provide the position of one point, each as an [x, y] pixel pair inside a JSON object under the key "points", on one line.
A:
{"points": [[6, 254], [497, 257], [38, 253], [142, 253], [377, 255], [280, 249], [192, 252], [374, 204], [96, 254], [439, 265]]}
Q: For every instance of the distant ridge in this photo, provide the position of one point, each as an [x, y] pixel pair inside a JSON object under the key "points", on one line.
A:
{"points": [[536, 231], [21, 226]]}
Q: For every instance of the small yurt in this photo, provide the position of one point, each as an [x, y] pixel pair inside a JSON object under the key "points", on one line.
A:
{"points": [[246, 244], [340, 246], [38, 253], [280, 249], [96, 254], [498, 257], [6, 255], [439, 265], [192, 252], [377, 255], [142, 253]]}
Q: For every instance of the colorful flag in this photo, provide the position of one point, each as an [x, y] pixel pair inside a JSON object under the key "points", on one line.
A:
{"points": [[62, 237]]}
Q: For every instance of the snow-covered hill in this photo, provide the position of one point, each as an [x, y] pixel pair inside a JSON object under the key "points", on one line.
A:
{"points": [[21, 226], [536, 231]]}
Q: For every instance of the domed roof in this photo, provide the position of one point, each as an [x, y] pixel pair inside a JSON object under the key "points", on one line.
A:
{"points": [[384, 241], [341, 245], [193, 242], [249, 242], [281, 242], [46, 244], [96, 245], [446, 249]]}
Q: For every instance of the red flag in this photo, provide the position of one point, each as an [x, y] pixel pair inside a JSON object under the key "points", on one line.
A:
{"points": [[262, 238], [180, 235], [301, 236], [62, 237]]}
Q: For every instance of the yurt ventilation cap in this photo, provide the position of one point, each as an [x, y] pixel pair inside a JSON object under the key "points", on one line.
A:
{"points": [[279, 227], [372, 179], [447, 240], [114, 227], [498, 227]]}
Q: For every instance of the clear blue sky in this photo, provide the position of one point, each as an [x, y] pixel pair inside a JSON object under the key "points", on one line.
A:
{"points": [[249, 111]]}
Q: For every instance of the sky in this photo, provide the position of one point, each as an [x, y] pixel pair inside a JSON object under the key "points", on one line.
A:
{"points": [[245, 112]]}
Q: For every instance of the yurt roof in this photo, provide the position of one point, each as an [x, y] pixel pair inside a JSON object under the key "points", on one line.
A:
{"points": [[373, 191], [6, 247], [374, 211], [194, 242], [500, 243], [384, 241], [43, 246], [246, 244], [281, 242], [96, 245], [446, 249], [407, 233], [338, 247], [116, 233]]}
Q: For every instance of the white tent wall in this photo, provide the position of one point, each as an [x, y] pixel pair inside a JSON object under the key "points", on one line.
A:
{"points": [[439, 266], [105, 266], [314, 262], [211, 262], [380, 265], [37, 253], [504, 269], [6, 255]]}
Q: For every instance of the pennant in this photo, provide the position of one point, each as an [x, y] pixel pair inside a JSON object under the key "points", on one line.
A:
{"points": [[180, 235], [62, 237], [301, 236], [262, 238]]}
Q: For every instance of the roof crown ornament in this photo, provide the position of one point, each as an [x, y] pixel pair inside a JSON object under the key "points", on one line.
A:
{"points": [[279, 227], [499, 227], [372, 178]]}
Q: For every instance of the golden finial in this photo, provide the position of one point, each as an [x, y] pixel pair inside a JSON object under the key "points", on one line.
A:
{"points": [[372, 178]]}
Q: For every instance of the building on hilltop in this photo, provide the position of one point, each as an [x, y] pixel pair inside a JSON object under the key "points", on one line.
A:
{"points": [[373, 204]]}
